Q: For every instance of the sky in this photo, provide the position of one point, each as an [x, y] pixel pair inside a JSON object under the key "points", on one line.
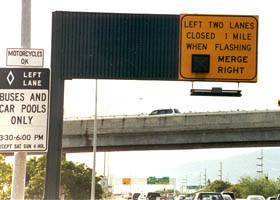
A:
{"points": [[123, 97]]}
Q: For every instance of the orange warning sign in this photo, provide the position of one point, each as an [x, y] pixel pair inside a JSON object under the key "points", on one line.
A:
{"points": [[218, 48]]}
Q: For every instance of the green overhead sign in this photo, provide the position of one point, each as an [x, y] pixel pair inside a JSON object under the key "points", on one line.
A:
{"points": [[159, 181]]}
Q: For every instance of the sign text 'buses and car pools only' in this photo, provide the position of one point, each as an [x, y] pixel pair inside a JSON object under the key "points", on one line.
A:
{"points": [[25, 57], [24, 101], [218, 48]]}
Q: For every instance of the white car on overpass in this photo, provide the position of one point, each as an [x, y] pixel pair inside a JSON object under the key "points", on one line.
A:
{"points": [[168, 111]]}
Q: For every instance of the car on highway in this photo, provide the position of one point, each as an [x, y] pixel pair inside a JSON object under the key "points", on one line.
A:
{"points": [[169, 111], [189, 196], [208, 196], [181, 197], [170, 196], [255, 197], [227, 197], [153, 195], [142, 196], [135, 196], [127, 196], [271, 198], [231, 194]]}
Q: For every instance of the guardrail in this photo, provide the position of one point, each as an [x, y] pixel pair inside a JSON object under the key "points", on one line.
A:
{"points": [[184, 113]]}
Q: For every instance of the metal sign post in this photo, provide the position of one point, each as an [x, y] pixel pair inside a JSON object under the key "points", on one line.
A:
{"points": [[94, 142], [18, 182]]}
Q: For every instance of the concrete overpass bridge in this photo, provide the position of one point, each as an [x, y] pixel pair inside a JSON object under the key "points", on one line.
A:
{"points": [[182, 131]]}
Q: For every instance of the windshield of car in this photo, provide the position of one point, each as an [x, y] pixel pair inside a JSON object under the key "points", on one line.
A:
{"points": [[165, 111], [227, 197], [210, 197], [256, 198], [135, 196], [154, 194]]}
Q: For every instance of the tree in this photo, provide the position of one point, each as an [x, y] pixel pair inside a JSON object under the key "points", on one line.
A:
{"points": [[257, 186], [6, 173], [73, 175], [235, 190], [35, 177], [217, 186], [75, 178]]}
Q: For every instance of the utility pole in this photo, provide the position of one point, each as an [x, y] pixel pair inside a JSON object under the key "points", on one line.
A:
{"points": [[200, 179], [260, 165], [19, 171], [186, 182], [221, 171], [205, 178]]}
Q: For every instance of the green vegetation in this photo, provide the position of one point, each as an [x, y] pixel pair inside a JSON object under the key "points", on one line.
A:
{"points": [[6, 172], [76, 182], [246, 186], [217, 186], [75, 179], [258, 186]]}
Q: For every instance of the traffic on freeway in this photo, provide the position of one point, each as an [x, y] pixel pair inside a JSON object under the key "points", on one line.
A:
{"points": [[192, 196]]}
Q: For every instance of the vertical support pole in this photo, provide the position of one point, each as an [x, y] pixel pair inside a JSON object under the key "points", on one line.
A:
{"points": [[104, 168], [94, 142], [205, 177], [174, 189], [26, 23], [186, 184], [19, 171], [52, 182], [109, 185], [104, 175], [221, 171]]}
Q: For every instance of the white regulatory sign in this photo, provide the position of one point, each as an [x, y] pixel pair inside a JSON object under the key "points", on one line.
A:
{"points": [[25, 57], [24, 109]]}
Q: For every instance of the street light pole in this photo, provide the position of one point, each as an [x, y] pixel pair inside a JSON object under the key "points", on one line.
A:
{"points": [[19, 171], [94, 146]]}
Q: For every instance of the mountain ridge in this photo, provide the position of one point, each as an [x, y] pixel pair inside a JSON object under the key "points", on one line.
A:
{"points": [[231, 169]]}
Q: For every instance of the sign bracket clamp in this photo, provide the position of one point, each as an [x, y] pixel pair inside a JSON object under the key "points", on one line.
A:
{"points": [[215, 91]]}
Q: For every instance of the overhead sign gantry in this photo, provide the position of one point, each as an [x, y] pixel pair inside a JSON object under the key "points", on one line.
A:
{"points": [[144, 47]]}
